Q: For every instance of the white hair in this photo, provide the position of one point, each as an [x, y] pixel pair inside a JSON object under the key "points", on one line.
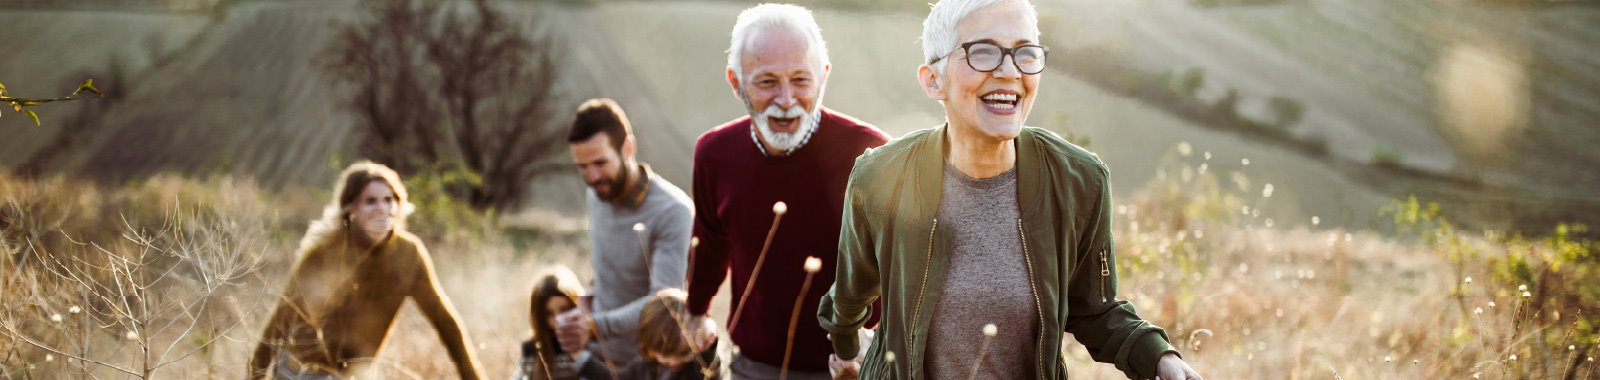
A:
{"points": [[939, 29], [769, 16]]}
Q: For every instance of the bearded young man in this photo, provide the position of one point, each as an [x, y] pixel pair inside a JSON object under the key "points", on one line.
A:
{"points": [[787, 149], [983, 232], [638, 233]]}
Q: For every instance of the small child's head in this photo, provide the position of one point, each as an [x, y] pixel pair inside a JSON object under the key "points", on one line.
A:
{"points": [[556, 291], [662, 338]]}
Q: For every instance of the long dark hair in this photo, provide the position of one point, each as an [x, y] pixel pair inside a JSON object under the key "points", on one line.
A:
{"points": [[557, 281]]}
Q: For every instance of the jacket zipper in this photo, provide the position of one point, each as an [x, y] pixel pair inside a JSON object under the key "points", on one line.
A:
{"points": [[1038, 349], [1105, 272], [923, 288]]}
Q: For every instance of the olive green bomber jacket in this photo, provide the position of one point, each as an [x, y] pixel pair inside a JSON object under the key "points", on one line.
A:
{"points": [[891, 246]]}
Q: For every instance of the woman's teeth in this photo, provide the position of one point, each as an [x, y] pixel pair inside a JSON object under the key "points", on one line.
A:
{"points": [[1001, 101]]}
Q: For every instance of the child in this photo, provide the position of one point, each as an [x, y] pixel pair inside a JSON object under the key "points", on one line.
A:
{"points": [[664, 345], [543, 357]]}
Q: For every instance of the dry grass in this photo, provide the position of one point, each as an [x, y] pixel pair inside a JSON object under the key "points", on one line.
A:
{"points": [[1245, 296], [1242, 295]]}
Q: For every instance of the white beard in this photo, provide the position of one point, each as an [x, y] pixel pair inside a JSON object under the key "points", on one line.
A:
{"points": [[785, 141]]}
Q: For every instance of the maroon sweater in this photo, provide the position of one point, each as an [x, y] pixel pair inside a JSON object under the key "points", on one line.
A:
{"points": [[735, 186]]}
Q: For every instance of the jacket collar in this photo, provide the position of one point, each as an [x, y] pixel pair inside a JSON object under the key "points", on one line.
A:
{"points": [[928, 171]]}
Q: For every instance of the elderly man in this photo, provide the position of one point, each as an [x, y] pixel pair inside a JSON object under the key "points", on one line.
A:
{"points": [[982, 232], [788, 149], [639, 228]]}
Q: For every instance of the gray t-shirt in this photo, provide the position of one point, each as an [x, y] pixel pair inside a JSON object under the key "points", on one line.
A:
{"points": [[622, 278], [986, 282]]}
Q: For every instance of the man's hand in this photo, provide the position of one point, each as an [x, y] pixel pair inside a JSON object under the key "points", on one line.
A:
{"points": [[702, 333], [572, 330], [1172, 367]]}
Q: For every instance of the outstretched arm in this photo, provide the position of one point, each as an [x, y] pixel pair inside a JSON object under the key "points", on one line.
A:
{"points": [[261, 361], [1110, 328], [289, 309], [436, 307]]}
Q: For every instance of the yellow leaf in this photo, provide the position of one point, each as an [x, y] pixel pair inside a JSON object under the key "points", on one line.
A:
{"points": [[33, 116], [88, 85]]}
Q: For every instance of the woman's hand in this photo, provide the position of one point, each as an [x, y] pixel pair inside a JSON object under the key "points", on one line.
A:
{"points": [[1172, 367]]}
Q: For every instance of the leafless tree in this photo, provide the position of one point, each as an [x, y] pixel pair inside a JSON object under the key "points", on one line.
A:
{"points": [[453, 87]]}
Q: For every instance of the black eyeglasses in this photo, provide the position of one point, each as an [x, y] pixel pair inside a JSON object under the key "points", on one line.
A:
{"points": [[986, 57]]}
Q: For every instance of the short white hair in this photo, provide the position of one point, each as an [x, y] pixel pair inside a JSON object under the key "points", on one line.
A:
{"points": [[769, 16], [939, 29]]}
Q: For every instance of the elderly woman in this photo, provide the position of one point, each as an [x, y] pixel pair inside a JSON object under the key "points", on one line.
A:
{"points": [[985, 238], [356, 266]]}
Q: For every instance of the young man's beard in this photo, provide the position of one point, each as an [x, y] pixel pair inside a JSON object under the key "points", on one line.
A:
{"points": [[615, 186]]}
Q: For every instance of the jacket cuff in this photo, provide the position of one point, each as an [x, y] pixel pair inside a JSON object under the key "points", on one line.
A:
{"points": [[846, 346], [1147, 351]]}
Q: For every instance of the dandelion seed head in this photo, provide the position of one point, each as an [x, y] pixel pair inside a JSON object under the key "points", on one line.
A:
{"points": [[1513, 357], [1244, 268], [1387, 359], [813, 265], [989, 330], [1491, 303], [1467, 280], [1522, 288], [1244, 161], [74, 309], [1266, 191], [1199, 234], [1527, 294], [55, 317], [1208, 155], [638, 227], [1315, 220], [1269, 222], [49, 357], [131, 335], [1348, 237], [1415, 362], [1571, 347], [1478, 310], [780, 208]]}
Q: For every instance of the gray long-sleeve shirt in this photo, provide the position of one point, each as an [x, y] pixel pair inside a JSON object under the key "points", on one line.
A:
{"points": [[624, 277]]}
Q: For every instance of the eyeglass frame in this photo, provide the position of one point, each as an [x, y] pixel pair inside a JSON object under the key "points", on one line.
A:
{"points": [[1004, 51]]}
